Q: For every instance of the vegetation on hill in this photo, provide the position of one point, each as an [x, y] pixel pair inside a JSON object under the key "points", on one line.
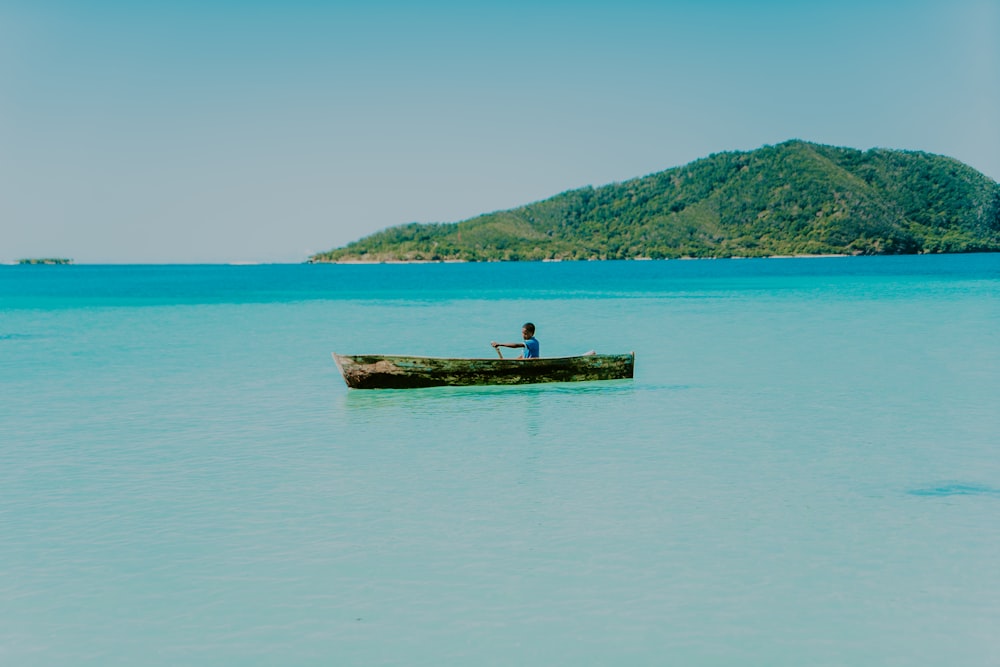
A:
{"points": [[45, 260], [794, 198]]}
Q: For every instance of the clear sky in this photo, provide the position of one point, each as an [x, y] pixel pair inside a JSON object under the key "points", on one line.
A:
{"points": [[252, 130]]}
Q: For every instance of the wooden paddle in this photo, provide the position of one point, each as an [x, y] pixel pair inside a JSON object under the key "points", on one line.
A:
{"points": [[499, 353]]}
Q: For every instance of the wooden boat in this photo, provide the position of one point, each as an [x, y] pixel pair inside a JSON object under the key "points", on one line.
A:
{"points": [[381, 371]]}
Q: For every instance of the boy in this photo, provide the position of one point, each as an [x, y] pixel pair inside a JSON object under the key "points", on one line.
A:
{"points": [[530, 345]]}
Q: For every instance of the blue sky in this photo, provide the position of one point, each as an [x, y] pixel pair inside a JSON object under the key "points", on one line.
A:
{"points": [[266, 131]]}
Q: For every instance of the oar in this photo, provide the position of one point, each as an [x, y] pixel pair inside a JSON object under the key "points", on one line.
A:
{"points": [[499, 353]]}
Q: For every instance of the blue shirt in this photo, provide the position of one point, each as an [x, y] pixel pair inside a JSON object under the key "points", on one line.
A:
{"points": [[531, 348]]}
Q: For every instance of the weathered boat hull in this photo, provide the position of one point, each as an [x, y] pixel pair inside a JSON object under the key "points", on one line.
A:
{"points": [[378, 371]]}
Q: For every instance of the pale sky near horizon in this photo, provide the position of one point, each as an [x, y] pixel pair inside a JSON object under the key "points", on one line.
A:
{"points": [[263, 130]]}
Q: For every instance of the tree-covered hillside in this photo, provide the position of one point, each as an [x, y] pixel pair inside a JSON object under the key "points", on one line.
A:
{"points": [[790, 199]]}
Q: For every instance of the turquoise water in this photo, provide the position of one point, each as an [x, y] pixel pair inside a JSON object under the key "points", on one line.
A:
{"points": [[804, 471]]}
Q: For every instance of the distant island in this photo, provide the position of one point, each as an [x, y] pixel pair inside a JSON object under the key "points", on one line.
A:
{"points": [[45, 260], [794, 198]]}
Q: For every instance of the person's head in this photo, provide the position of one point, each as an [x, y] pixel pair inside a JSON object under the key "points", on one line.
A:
{"points": [[528, 330]]}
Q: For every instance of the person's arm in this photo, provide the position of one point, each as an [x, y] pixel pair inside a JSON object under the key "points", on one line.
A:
{"points": [[496, 344]]}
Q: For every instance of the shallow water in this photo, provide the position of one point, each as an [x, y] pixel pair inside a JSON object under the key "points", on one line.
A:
{"points": [[803, 471]]}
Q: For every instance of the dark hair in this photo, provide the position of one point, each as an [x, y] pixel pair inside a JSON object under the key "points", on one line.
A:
{"points": [[530, 327]]}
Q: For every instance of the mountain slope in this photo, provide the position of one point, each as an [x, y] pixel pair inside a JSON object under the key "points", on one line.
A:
{"points": [[792, 198]]}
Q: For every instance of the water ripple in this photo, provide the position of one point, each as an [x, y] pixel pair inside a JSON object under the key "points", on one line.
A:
{"points": [[956, 489]]}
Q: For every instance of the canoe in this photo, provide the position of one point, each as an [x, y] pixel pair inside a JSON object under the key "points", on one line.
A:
{"points": [[383, 371]]}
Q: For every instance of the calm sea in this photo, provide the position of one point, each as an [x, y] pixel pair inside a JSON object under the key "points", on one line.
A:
{"points": [[804, 471]]}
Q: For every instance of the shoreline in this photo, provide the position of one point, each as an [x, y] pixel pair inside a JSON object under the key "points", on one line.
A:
{"points": [[556, 261]]}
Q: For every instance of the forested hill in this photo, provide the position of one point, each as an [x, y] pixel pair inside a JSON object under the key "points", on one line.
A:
{"points": [[794, 198]]}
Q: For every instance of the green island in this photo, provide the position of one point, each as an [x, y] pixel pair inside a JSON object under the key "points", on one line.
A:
{"points": [[45, 260], [794, 198]]}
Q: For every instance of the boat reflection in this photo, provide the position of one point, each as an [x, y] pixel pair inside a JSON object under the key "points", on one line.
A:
{"points": [[373, 399]]}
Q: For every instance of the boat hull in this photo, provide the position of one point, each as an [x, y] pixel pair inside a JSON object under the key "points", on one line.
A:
{"points": [[379, 371]]}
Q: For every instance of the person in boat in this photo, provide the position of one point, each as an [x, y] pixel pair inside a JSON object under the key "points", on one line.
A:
{"points": [[530, 343]]}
